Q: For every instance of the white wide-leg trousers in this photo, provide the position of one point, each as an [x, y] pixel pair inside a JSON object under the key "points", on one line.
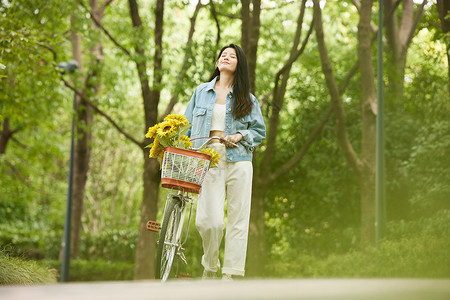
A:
{"points": [[231, 181]]}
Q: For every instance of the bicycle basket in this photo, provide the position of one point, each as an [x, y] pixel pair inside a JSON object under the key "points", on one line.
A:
{"points": [[184, 169]]}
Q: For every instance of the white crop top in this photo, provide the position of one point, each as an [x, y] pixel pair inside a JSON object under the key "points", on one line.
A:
{"points": [[218, 117]]}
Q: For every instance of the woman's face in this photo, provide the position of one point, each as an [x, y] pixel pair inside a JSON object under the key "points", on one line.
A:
{"points": [[227, 61]]}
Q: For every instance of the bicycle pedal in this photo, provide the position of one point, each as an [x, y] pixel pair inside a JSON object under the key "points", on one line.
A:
{"points": [[153, 226]]}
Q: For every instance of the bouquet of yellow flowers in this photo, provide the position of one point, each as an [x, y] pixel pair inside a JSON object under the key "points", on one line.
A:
{"points": [[170, 133]]}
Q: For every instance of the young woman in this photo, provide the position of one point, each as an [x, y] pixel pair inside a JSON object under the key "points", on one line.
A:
{"points": [[224, 107]]}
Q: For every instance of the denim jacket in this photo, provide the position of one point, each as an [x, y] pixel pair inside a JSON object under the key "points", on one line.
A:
{"points": [[252, 126]]}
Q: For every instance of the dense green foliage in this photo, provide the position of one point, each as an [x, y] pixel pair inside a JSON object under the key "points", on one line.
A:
{"points": [[312, 213], [411, 249], [96, 270]]}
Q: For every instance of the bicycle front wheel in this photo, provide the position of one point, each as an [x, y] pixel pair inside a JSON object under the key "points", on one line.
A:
{"points": [[169, 239]]}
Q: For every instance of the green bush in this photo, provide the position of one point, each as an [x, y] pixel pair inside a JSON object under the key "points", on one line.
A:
{"points": [[421, 256], [23, 240], [412, 249], [18, 271], [17, 241], [114, 245], [96, 270]]}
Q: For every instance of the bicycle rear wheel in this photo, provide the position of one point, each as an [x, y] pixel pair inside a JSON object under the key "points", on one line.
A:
{"points": [[169, 239]]}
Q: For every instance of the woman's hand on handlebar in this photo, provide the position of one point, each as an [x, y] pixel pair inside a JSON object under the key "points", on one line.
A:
{"points": [[234, 138]]}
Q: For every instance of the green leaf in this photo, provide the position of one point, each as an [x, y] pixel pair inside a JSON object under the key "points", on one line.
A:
{"points": [[184, 129]]}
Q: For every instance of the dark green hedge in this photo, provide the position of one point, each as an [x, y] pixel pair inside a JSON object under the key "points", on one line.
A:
{"points": [[96, 270]]}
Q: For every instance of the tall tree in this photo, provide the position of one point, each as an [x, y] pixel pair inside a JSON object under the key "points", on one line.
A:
{"points": [[145, 250], [84, 117], [265, 176], [81, 151], [144, 264], [364, 166]]}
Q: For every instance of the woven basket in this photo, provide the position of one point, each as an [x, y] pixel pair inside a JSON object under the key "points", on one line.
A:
{"points": [[184, 169]]}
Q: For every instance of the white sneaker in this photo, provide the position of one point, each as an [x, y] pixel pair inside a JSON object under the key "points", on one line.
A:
{"points": [[209, 274], [227, 277]]}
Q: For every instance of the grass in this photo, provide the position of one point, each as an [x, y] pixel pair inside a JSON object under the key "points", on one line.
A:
{"points": [[19, 271]]}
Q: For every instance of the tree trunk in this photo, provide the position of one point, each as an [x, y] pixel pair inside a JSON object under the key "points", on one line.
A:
{"points": [[257, 246], [364, 167], [253, 44], [250, 36], [369, 110], [399, 37], [257, 253], [246, 23], [145, 251], [84, 123], [83, 117], [249, 43]]}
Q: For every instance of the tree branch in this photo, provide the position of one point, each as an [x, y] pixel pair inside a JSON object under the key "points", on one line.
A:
{"points": [[104, 29], [55, 56], [15, 140], [5, 135], [301, 153], [106, 4], [295, 55], [343, 139], [20, 176], [214, 14], [185, 65], [279, 93], [229, 16], [415, 24], [304, 149], [284, 71], [99, 111]]}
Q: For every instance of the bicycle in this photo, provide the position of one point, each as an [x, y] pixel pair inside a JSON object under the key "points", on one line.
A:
{"points": [[182, 170]]}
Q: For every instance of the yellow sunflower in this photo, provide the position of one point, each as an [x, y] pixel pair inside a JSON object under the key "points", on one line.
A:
{"points": [[215, 156], [155, 150], [160, 156], [180, 118], [151, 131], [186, 141], [167, 128]]}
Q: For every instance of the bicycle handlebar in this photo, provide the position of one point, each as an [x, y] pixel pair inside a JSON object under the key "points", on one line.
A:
{"points": [[208, 141]]}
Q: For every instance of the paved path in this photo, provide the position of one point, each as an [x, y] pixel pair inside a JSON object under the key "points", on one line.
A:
{"points": [[336, 289]]}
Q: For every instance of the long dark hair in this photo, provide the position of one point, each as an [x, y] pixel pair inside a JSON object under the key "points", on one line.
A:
{"points": [[242, 105]]}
